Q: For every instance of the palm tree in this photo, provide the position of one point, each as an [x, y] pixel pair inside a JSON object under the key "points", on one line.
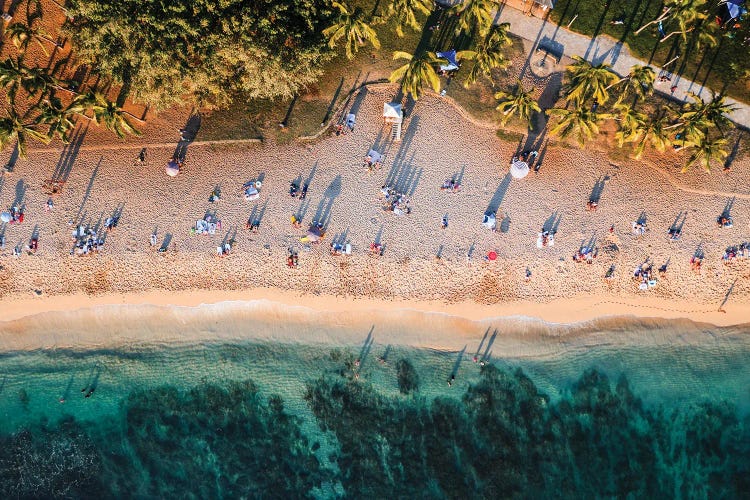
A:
{"points": [[639, 82], [674, 9], [489, 54], [588, 80], [12, 73], [416, 72], [713, 112], [113, 118], [477, 14], [88, 102], [579, 121], [351, 26], [631, 124], [688, 15], [706, 151], [14, 129], [37, 80], [22, 35], [520, 102], [404, 13], [58, 117], [104, 112], [653, 131]]}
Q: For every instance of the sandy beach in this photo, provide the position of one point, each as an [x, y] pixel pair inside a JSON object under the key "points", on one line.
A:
{"points": [[438, 143]]}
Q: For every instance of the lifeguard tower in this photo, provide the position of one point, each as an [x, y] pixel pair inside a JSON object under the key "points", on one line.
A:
{"points": [[393, 114]]}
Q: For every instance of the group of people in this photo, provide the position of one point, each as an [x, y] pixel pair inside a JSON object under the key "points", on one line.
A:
{"points": [[371, 164], [341, 248], [645, 275], [87, 241], [545, 239], [724, 221], [741, 251], [207, 225], [586, 255], [639, 228], [451, 185], [294, 190], [16, 215], [395, 202], [224, 249], [292, 259]]}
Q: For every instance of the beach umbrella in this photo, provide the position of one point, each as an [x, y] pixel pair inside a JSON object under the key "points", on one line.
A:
{"points": [[5, 217], [173, 168], [492, 255], [519, 169]]}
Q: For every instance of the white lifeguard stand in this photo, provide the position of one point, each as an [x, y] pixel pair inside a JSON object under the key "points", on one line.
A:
{"points": [[393, 114]]}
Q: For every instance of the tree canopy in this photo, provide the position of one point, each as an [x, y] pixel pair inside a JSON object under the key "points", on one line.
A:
{"points": [[202, 51]]}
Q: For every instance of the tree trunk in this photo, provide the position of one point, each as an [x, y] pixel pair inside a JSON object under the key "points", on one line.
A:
{"points": [[662, 17]]}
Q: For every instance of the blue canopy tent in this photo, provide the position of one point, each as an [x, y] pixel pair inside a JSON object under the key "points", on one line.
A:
{"points": [[449, 56], [734, 9]]}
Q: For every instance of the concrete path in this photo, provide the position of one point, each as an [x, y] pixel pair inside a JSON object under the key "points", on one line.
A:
{"points": [[605, 49]]}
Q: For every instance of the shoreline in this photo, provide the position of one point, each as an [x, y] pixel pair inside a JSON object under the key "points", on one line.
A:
{"points": [[529, 329], [565, 311]]}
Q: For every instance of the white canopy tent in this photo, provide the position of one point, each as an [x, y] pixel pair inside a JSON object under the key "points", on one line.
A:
{"points": [[392, 112]]}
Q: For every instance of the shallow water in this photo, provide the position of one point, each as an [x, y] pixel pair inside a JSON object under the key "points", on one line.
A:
{"points": [[668, 373]]}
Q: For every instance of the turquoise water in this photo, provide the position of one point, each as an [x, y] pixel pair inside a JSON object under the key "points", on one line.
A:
{"points": [[261, 419]]}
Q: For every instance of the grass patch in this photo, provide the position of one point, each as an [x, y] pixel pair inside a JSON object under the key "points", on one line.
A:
{"points": [[704, 66]]}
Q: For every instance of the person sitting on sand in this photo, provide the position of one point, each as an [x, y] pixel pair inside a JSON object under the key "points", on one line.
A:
{"points": [[293, 189], [303, 193], [296, 223], [592, 205], [695, 263], [336, 249], [724, 221], [674, 234], [376, 249]]}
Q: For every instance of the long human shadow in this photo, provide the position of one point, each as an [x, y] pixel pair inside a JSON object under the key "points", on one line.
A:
{"points": [[166, 242], [341, 238], [726, 297], [188, 134], [481, 344], [597, 190], [552, 223], [404, 177], [69, 155], [310, 176], [20, 196], [323, 212], [285, 122], [679, 221], [457, 364], [732, 156], [89, 188], [14, 155], [360, 97], [366, 347], [727, 212], [488, 349], [332, 103], [499, 195]]}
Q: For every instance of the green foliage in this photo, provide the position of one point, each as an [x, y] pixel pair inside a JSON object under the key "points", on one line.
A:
{"points": [[403, 13], [202, 51], [351, 26], [408, 378], [417, 72], [521, 102], [580, 122], [488, 54], [475, 15], [588, 81]]}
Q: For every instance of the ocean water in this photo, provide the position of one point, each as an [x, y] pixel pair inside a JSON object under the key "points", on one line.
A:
{"points": [[625, 408]]}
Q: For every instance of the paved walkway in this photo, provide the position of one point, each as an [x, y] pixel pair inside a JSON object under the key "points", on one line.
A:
{"points": [[605, 49]]}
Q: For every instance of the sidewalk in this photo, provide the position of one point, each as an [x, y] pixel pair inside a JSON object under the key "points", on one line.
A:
{"points": [[605, 49]]}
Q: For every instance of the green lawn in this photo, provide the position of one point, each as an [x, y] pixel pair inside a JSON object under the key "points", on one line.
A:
{"points": [[696, 64]]}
